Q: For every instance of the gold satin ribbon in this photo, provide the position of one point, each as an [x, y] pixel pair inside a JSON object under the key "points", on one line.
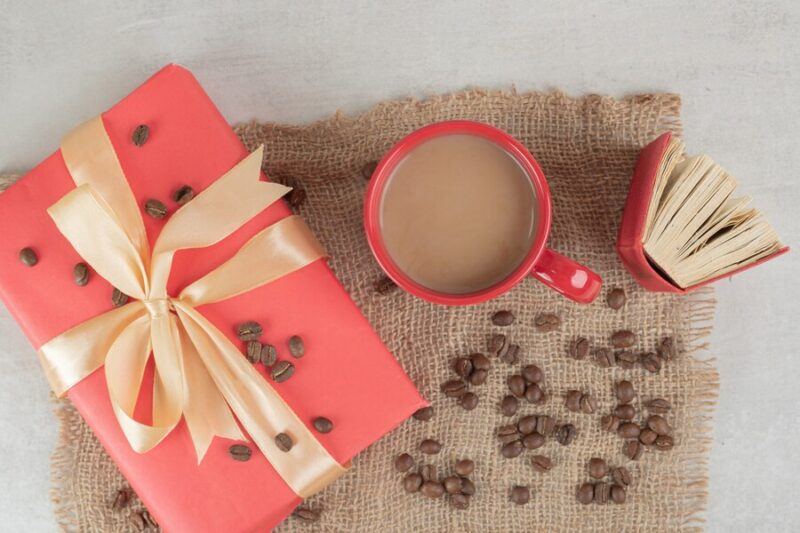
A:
{"points": [[199, 374]]}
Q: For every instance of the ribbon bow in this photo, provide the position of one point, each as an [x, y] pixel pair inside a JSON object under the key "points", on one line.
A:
{"points": [[199, 374]]}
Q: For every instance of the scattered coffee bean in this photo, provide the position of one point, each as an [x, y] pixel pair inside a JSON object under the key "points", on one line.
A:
{"points": [[579, 348], [508, 433], [306, 515], [430, 446], [520, 494], [385, 285], [80, 274], [509, 406], [118, 298], [625, 411], [629, 430], [533, 441], [468, 401], [424, 414], [532, 374], [625, 391], [183, 195], [632, 449], [541, 463], [516, 384], [296, 346], [122, 499], [588, 405], [296, 197], [459, 501], [533, 393], [284, 442], [503, 318], [268, 354], [240, 452], [281, 371], [623, 339], [368, 169], [511, 356], [403, 462], [249, 331], [621, 475], [601, 492], [604, 358], [547, 322], [666, 349], [573, 400], [322, 424], [432, 489], [566, 434], [155, 208], [626, 359], [610, 423], [462, 366], [658, 424], [616, 298], [664, 442], [412, 482], [478, 377], [428, 472], [454, 388], [465, 467], [658, 406], [140, 135], [467, 487], [527, 424], [585, 493], [512, 449], [545, 425], [452, 484], [253, 351], [496, 343], [28, 257], [480, 361], [647, 436], [598, 468], [651, 362], [617, 494]]}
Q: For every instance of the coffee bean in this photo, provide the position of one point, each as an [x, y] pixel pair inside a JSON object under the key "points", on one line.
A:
{"points": [[183, 195], [623, 339], [452, 484], [496, 343], [651, 362], [468, 401], [610, 423], [424, 414], [666, 349], [404, 462], [617, 494], [520, 494], [626, 359], [385, 285], [647, 436], [296, 346], [533, 441], [533, 393], [253, 351], [509, 406], [566, 434], [527, 424], [480, 361], [118, 298], [459, 501], [664, 442], [284, 442], [155, 208], [579, 348], [616, 298], [511, 355], [621, 475], [454, 388], [368, 169], [432, 489], [28, 257], [658, 424], [465, 467], [516, 384], [545, 425], [658, 406], [478, 377], [268, 354], [503, 318], [281, 371], [296, 197], [505, 439], [625, 391], [80, 274], [140, 135], [541, 464], [512, 449], [430, 446], [601, 492], [240, 452], [632, 449], [532, 374], [249, 331], [585, 493], [428, 472], [545, 322], [625, 411], [508, 430], [629, 430], [598, 468], [462, 366], [588, 405], [306, 515], [412, 482], [122, 499], [573, 400], [322, 424], [467, 487], [604, 358]]}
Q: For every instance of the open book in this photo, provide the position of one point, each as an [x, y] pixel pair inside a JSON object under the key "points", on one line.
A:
{"points": [[683, 225]]}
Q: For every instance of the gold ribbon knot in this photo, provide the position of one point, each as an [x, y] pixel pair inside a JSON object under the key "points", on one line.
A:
{"points": [[199, 374]]}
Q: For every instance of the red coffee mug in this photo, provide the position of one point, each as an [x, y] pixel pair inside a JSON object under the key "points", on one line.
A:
{"points": [[564, 275]]}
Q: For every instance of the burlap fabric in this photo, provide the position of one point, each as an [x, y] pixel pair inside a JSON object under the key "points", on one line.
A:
{"points": [[587, 147]]}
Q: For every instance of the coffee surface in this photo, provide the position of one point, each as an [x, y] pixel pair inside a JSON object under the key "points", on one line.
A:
{"points": [[458, 214]]}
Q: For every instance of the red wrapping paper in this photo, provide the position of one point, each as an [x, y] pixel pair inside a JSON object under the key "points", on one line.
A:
{"points": [[346, 375]]}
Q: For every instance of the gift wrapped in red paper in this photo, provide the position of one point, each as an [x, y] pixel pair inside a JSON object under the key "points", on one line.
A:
{"points": [[346, 374]]}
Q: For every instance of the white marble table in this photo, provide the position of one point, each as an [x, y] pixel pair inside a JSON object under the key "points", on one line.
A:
{"points": [[737, 68]]}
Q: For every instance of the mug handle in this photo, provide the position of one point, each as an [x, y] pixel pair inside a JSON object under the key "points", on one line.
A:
{"points": [[564, 275]]}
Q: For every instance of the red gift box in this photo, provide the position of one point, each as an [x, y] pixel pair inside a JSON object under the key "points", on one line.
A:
{"points": [[346, 375], [631, 229]]}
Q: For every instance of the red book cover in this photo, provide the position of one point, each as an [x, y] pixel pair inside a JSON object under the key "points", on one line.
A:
{"points": [[346, 375], [632, 227]]}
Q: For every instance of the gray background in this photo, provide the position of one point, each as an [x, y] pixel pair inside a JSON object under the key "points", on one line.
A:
{"points": [[737, 67]]}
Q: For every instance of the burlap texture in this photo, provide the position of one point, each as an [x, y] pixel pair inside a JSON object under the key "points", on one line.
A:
{"points": [[587, 148]]}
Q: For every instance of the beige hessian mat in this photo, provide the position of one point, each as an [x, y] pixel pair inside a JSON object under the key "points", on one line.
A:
{"points": [[587, 147]]}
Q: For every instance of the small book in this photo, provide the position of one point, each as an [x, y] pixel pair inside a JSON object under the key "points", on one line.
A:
{"points": [[683, 227]]}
